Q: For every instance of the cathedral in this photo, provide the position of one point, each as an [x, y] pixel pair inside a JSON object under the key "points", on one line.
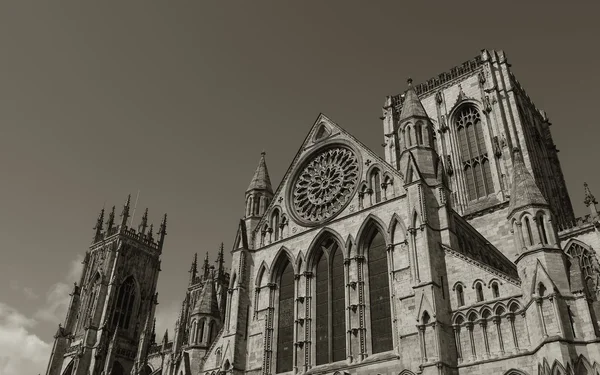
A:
{"points": [[456, 252]]}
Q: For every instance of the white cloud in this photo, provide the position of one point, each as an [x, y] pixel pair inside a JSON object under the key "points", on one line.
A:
{"points": [[27, 291], [58, 298], [21, 352]]}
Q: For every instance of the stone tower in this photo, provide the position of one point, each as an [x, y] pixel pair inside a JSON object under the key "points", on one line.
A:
{"points": [[110, 322]]}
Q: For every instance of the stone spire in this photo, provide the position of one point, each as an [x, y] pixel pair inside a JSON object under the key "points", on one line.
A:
{"points": [[221, 261], [144, 224], [524, 191], [206, 268], [111, 220], [261, 180], [207, 303], [194, 269], [125, 212], [412, 106], [162, 232], [99, 226]]}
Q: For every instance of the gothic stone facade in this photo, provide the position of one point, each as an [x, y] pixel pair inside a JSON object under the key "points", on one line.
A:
{"points": [[456, 253]]}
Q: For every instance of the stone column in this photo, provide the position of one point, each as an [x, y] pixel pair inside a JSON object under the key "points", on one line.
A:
{"points": [[423, 344], [456, 329], [498, 321], [511, 319], [538, 303], [472, 340], [483, 325]]}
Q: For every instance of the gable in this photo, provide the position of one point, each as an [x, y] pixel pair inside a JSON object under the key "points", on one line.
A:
{"points": [[323, 181]]}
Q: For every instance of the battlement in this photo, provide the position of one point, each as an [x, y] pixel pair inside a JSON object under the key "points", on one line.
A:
{"points": [[144, 239], [454, 74]]}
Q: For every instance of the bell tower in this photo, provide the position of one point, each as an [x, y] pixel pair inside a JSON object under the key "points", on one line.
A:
{"points": [[109, 324]]}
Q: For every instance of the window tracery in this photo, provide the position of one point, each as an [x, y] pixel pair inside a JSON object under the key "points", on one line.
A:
{"points": [[474, 153], [125, 304], [324, 187], [379, 294]]}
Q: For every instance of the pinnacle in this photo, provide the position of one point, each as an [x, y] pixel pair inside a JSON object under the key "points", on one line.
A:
{"points": [[261, 180], [589, 197], [412, 106], [524, 191]]}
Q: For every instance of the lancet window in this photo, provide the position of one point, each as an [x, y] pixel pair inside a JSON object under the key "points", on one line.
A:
{"points": [[330, 304], [379, 294], [285, 319], [125, 304], [474, 154]]}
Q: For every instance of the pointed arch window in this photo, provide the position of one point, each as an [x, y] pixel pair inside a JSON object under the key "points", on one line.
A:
{"points": [[285, 318], [588, 264], [474, 154], [529, 232], [125, 304], [495, 290], [275, 224], [200, 337], [376, 184], [460, 295], [330, 304], [479, 292], [379, 294]]}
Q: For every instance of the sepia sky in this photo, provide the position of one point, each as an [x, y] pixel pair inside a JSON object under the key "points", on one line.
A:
{"points": [[177, 99]]}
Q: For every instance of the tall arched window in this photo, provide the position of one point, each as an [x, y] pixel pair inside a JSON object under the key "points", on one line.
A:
{"points": [[275, 224], [588, 264], [376, 184], [200, 336], [285, 318], [379, 294], [419, 132], [124, 306], [69, 369], [529, 232], [460, 296], [330, 304], [541, 222], [408, 137], [495, 290], [474, 153], [479, 292]]}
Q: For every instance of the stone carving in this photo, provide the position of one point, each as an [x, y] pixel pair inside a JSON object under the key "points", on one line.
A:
{"points": [[325, 185]]}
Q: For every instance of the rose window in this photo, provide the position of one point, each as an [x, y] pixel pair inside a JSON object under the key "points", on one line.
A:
{"points": [[325, 185]]}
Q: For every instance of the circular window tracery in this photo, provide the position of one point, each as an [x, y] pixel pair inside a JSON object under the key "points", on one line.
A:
{"points": [[325, 185]]}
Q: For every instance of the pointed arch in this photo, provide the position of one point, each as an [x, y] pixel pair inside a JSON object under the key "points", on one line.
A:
{"points": [[558, 368], [282, 255], [415, 219], [397, 229], [263, 270], [513, 306], [583, 366], [486, 312], [282, 275], [370, 223], [323, 234], [117, 369], [515, 372], [69, 369], [325, 259], [373, 246], [459, 318], [350, 249], [127, 297]]}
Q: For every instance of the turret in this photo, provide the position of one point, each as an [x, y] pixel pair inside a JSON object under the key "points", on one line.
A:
{"points": [[416, 137], [205, 319], [258, 195], [541, 263]]}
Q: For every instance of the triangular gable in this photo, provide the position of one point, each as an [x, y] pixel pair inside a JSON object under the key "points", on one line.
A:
{"points": [[424, 305], [412, 170], [541, 276], [241, 240], [323, 129]]}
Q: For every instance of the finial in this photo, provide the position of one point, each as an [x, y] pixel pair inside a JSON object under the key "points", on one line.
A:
{"points": [[263, 152], [206, 267], [220, 260], [149, 235], [111, 220], [589, 197], [162, 231], [144, 224], [194, 269], [99, 226], [125, 213]]}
